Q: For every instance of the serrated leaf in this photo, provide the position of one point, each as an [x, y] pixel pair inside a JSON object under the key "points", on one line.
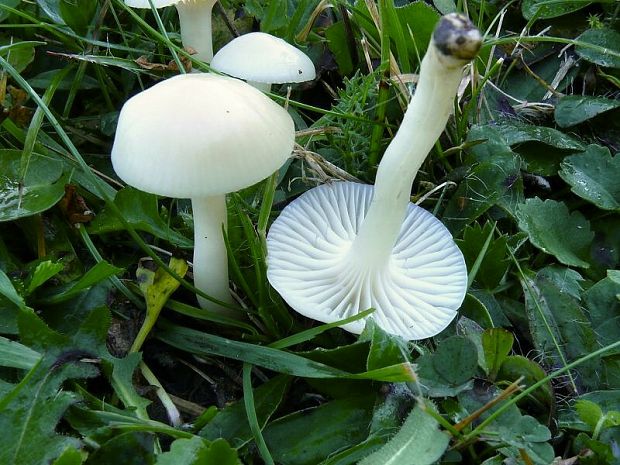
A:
{"points": [[575, 109], [418, 442], [554, 230], [141, 211], [593, 175], [32, 409], [607, 52]]}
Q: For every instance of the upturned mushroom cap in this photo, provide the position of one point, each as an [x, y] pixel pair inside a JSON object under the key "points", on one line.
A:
{"points": [[415, 292], [196, 135], [261, 57], [146, 4]]}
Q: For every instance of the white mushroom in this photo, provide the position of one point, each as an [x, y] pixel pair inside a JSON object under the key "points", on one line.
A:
{"points": [[195, 21], [201, 136], [262, 60], [343, 247]]}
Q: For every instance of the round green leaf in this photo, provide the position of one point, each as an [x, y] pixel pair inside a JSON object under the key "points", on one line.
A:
{"points": [[556, 231], [456, 360], [43, 185]]}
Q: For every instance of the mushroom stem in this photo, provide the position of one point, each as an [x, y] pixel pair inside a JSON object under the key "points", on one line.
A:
{"points": [[454, 44], [195, 19], [210, 257], [262, 86]]}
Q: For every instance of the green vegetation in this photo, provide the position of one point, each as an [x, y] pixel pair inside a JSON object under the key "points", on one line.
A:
{"points": [[526, 178]]}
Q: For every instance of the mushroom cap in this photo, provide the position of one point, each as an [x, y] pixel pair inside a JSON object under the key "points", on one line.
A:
{"points": [[415, 293], [145, 3], [196, 135], [261, 57]]}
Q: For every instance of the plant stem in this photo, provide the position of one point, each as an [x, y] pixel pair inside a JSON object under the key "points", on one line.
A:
{"points": [[384, 89], [250, 410], [171, 409], [161, 27]]}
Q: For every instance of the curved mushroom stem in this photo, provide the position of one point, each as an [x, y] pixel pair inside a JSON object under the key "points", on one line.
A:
{"points": [[195, 19], [210, 257], [455, 42]]}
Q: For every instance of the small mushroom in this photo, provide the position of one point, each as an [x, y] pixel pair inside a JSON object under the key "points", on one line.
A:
{"points": [[195, 20], [201, 136], [262, 59], [343, 247]]}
